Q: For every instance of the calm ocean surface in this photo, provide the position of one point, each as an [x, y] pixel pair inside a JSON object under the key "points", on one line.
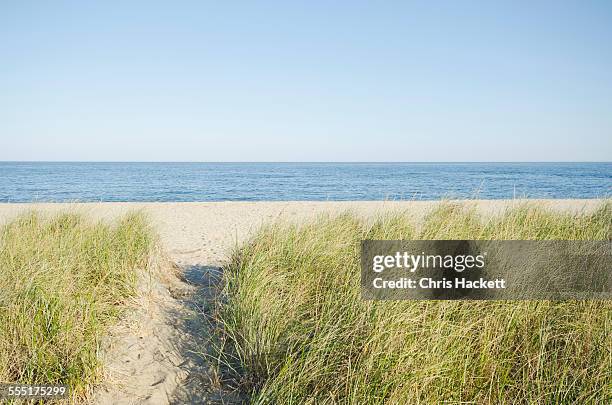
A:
{"points": [[23, 182]]}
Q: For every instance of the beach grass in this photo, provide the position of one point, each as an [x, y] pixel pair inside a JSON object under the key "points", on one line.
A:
{"points": [[294, 328], [63, 282]]}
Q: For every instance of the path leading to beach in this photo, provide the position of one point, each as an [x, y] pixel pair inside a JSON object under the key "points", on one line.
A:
{"points": [[158, 353]]}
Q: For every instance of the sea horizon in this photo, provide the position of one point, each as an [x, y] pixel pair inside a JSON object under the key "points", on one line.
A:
{"points": [[57, 181], [306, 161]]}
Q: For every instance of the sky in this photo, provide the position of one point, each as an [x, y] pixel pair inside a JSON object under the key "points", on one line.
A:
{"points": [[306, 81]]}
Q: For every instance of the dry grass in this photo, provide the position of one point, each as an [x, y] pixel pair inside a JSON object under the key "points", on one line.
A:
{"points": [[63, 282], [295, 329]]}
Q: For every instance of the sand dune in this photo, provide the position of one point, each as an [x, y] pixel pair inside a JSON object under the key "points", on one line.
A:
{"points": [[150, 356]]}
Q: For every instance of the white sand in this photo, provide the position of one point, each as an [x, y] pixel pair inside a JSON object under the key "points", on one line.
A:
{"points": [[203, 233]]}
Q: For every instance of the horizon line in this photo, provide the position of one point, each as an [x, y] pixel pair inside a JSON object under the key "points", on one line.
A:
{"points": [[305, 161]]}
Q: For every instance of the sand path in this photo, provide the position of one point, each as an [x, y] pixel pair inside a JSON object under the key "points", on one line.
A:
{"points": [[158, 354]]}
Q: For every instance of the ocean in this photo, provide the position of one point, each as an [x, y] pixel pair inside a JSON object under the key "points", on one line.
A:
{"points": [[72, 181]]}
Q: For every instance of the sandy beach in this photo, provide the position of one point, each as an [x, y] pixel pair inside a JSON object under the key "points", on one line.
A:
{"points": [[195, 233], [149, 355], [397, 203]]}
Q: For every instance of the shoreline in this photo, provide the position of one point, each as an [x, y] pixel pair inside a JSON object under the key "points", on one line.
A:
{"points": [[203, 233]]}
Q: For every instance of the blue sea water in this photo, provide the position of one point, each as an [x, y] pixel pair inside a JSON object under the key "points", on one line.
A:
{"points": [[55, 181]]}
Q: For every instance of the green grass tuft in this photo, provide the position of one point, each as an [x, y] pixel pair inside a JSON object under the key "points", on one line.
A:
{"points": [[295, 329], [63, 281]]}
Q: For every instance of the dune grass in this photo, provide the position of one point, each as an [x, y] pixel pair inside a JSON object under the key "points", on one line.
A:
{"points": [[295, 329], [63, 281]]}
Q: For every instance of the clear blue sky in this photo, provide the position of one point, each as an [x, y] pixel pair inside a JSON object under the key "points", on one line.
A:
{"points": [[306, 81]]}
